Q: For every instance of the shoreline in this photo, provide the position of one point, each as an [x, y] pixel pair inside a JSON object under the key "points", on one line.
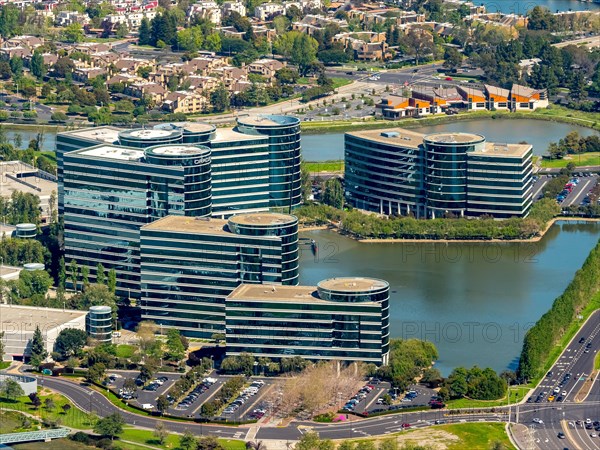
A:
{"points": [[538, 238], [332, 126]]}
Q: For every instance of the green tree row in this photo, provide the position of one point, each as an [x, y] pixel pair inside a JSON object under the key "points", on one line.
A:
{"points": [[366, 226], [550, 328]]}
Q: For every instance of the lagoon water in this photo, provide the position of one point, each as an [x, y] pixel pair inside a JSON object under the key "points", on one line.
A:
{"points": [[539, 133], [474, 301], [522, 6]]}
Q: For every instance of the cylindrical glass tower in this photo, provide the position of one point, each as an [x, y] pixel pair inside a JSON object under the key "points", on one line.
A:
{"points": [[196, 163], [348, 329], [446, 171], [262, 265], [284, 156], [99, 323]]}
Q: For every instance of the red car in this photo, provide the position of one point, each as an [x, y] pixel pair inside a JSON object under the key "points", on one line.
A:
{"points": [[448, 78], [406, 425]]}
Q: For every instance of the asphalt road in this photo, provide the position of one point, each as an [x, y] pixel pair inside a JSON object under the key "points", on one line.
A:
{"points": [[555, 415]]}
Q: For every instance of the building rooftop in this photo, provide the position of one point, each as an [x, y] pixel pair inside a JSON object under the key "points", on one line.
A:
{"points": [[184, 224], [230, 134], [21, 177], [353, 284], [179, 150], [27, 317], [268, 120], [279, 293], [502, 149], [457, 138], [394, 136], [108, 135], [147, 134], [113, 152], [198, 127], [265, 218]]}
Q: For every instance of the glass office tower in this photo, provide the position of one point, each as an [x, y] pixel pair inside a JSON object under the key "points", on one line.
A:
{"points": [[190, 265], [343, 319], [284, 156]]}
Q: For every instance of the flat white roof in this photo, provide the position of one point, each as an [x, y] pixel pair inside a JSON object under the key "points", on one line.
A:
{"points": [[230, 134], [114, 152], [178, 150], [150, 134], [102, 134]]}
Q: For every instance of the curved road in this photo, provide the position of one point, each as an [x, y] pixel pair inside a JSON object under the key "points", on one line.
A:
{"points": [[555, 416]]}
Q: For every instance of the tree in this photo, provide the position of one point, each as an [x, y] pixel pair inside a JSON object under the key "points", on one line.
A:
{"points": [[2, 345], [49, 404], [85, 277], [212, 42], [162, 404], [432, 377], [110, 426], [63, 67], [69, 342], [73, 33], [188, 441], [35, 400], [129, 385], [304, 52], [100, 275], [160, 432], [96, 372], [112, 281], [144, 32], [452, 58], [333, 194], [11, 390], [37, 352], [16, 66], [95, 295], [74, 274], [38, 68], [175, 349], [219, 98], [59, 117]]}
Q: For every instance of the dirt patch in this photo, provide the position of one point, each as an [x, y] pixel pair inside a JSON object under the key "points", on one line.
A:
{"points": [[586, 387]]}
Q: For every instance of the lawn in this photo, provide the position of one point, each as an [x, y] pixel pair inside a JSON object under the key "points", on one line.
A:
{"points": [[597, 362], [14, 422], [516, 395], [125, 351], [146, 437], [477, 435], [56, 444], [4, 365], [582, 159], [325, 166], [73, 418], [472, 436]]}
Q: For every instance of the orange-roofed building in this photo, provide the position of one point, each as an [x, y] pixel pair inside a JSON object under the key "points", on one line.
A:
{"points": [[393, 106], [497, 98], [475, 99], [523, 97]]}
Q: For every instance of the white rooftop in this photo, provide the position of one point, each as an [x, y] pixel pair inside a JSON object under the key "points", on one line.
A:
{"points": [[102, 134], [178, 150], [149, 133], [114, 152]]}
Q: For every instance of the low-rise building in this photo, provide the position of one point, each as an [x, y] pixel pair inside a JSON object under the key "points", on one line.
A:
{"points": [[186, 102], [265, 67], [19, 323], [207, 10], [238, 7], [267, 11]]}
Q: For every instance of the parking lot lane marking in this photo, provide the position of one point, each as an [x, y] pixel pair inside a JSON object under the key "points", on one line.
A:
{"points": [[219, 384]]}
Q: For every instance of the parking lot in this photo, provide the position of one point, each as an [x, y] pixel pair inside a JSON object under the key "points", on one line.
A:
{"points": [[248, 405]]}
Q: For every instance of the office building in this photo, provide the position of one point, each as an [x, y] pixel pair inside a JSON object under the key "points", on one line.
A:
{"points": [[111, 182], [403, 172], [344, 319], [190, 265]]}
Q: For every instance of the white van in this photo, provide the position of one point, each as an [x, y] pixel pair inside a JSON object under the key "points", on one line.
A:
{"points": [[147, 406]]}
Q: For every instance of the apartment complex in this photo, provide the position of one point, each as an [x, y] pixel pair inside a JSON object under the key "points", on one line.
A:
{"points": [[404, 172], [435, 100], [111, 182], [189, 265], [344, 319]]}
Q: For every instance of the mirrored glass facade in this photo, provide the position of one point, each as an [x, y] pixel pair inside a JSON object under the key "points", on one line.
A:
{"points": [[343, 319]]}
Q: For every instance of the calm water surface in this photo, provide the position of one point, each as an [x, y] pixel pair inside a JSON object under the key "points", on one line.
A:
{"points": [[474, 301], [522, 6], [539, 133]]}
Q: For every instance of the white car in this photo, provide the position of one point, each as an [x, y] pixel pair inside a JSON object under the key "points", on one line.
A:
{"points": [[564, 393], [538, 420], [556, 390]]}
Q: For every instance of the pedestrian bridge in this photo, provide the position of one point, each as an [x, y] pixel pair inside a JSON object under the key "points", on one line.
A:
{"points": [[29, 436]]}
